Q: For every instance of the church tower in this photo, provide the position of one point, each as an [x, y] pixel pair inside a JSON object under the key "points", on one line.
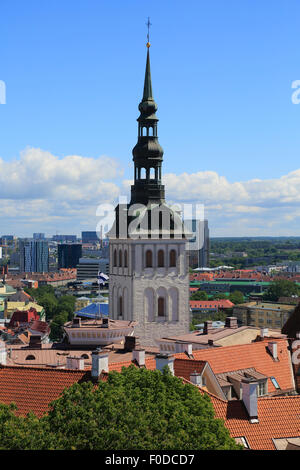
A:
{"points": [[149, 278]]}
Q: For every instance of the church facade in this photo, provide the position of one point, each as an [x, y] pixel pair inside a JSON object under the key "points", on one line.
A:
{"points": [[149, 276]]}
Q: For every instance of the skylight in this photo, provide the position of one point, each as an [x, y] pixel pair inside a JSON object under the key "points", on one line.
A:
{"points": [[274, 382]]}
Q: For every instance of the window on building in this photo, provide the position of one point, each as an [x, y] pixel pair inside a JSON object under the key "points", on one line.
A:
{"points": [[84, 356], [120, 306], [148, 259], [125, 259], [120, 258], [160, 258], [115, 258], [161, 307], [275, 383], [261, 388], [30, 357], [172, 259]]}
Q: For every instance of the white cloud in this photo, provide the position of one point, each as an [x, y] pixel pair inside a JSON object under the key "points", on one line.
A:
{"points": [[41, 191]]}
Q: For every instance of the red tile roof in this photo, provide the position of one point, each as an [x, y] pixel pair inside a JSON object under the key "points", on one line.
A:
{"points": [[279, 417], [32, 389], [231, 358]]}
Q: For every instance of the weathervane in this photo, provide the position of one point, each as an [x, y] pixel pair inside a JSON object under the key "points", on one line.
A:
{"points": [[148, 24]]}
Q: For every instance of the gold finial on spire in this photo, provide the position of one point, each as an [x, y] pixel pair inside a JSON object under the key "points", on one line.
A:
{"points": [[148, 24]]}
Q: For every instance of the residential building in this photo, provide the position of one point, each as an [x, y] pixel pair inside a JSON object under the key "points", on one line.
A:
{"points": [[263, 314]]}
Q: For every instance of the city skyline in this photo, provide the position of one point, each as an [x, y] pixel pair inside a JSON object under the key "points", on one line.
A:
{"points": [[222, 76]]}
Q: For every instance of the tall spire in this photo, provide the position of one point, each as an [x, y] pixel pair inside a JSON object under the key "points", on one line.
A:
{"points": [[147, 154], [147, 84]]}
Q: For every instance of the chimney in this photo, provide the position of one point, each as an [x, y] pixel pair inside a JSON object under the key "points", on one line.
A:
{"points": [[76, 322], [272, 347], [163, 360], [105, 323], [264, 332], [196, 378], [35, 342], [207, 327], [3, 353], [75, 363], [131, 342], [99, 363], [249, 397], [183, 347], [138, 355], [231, 322], [210, 342]]}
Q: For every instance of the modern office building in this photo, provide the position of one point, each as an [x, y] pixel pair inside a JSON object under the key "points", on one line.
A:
{"points": [[34, 256], [39, 236], [88, 268], [89, 237], [64, 238], [198, 245], [69, 255]]}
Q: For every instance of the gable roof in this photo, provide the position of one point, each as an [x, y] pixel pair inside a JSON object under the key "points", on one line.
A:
{"points": [[32, 389], [244, 356]]}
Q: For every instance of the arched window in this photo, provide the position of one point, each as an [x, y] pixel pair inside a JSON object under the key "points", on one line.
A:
{"points": [[161, 307], [143, 174], [30, 357], [172, 260], [120, 257], [152, 173], [148, 259], [84, 356], [120, 306], [115, 258], [160, 258], [125, 259]]}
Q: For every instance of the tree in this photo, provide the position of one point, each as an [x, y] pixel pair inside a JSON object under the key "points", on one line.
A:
{"points": [[136, 409], [236, 297], [281, 288], [199, 295], [56, 325]]}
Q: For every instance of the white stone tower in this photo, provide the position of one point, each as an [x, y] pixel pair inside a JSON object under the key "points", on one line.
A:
{"points": [[149, 278]]}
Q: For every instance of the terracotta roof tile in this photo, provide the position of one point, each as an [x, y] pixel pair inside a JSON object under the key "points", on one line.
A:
{"points": [[231, 358]]}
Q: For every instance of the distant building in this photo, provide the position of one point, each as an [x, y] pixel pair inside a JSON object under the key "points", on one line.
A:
{"points": [[263, 314], [88, 268], [34, 256], [69, 255], [64, 238], [89, 237], [38, 236], [199, 257]]}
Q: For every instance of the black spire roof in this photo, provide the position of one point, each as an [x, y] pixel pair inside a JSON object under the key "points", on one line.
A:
{"points": [[147, 154]]}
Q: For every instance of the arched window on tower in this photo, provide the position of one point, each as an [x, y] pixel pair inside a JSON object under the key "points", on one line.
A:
{"points": [[151, 131], [172, 260], [125, 259], [152, 173], [120, 306], [115, 257], [148, 259], [120, 258], [161, 307], [160, 259], [143, 174]]}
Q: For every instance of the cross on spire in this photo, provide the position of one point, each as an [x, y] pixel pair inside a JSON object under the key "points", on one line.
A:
{"points": [[148, 24]]}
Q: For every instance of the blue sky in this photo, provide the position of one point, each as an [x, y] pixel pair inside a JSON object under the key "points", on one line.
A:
{"points": [[222, 73]]}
